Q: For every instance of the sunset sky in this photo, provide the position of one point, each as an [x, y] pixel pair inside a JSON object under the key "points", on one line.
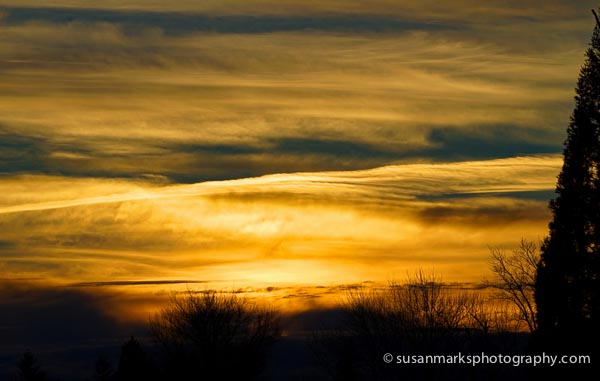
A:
{"points": [[291, 145]]}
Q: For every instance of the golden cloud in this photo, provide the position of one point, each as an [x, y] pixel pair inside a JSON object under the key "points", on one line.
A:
{"points": [[277, 228], [91, 99]]}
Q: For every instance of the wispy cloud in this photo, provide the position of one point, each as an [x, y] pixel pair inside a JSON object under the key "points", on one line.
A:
{"points": [[85, 94], [277, 227], [135, 283]]}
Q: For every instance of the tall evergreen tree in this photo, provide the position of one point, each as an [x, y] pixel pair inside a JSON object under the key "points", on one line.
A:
{"points": [[567, 283], [134, 363], [102, 371], [29, 368]]}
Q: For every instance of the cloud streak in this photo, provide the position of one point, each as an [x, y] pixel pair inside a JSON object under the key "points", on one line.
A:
{"points": [[183, 23], [278, 227], [85, 95]]}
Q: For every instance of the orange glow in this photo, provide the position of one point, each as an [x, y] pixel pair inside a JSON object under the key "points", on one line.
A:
{"points": [[308, 229], [289, 151]]}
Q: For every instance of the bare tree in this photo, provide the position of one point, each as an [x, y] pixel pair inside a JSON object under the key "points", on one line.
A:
{"points": [[422, 307], [430, 304], [490, 316], [419, 315], [202, 332], [514, 278]]}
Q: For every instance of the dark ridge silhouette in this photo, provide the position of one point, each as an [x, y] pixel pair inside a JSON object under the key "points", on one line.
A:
{"points": [[568, 281]]}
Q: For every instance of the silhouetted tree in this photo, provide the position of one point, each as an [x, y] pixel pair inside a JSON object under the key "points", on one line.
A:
{"points": [[134, 363], [102, 370], [29, 368], [567, 283], [215, 335], [419, 316], [515, 275], [422, 311]]}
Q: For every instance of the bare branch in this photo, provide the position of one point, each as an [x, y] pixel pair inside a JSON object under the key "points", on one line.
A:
{"points": [[515, 278]]}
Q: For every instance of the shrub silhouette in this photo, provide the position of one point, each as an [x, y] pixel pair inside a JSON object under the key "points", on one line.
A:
{"points": [[214, 335]]}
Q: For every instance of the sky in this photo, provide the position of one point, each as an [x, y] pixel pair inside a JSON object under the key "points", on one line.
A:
{"points": [[277, 147]]}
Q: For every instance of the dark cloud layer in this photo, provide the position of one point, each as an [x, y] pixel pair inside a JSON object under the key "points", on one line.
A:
{"points": [[188, 163], [21, 153], [36, 316], [134, 283], [489, 142], [542, 195], [67, 329], [180, 23]]}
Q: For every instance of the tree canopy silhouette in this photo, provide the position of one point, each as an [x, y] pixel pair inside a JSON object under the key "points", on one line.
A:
{"points": [[215, 335], [102, 370], [29, 368], [567, 283], [134, 363]]}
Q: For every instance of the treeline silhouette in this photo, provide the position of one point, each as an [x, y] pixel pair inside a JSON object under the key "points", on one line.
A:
{"points": [[419, 317], [199, 336], [212, 335], [215, 336]]}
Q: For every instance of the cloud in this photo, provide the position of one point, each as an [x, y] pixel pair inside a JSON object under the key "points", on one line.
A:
{"points": [[20, 153], [526, 10], [36, 315], [134, 283], [110, 132], [279, 228], [68, 328], [92, 99], [176, 23], [490, 142]]}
